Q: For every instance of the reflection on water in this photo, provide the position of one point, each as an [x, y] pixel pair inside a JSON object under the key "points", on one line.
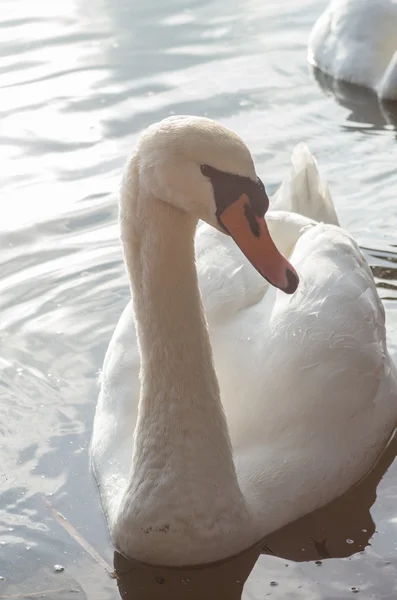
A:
{"points": [[80, 81], [367, 111], [221, 580]]}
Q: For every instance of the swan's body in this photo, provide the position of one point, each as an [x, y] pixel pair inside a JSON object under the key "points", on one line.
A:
{"points": [[306, 382], [356, 41]]}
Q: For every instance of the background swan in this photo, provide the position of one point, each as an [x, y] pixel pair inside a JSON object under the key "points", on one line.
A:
{"points": [[356, 40], [194, 463]]}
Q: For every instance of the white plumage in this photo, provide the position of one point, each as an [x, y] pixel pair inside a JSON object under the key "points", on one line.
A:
{"points": [[356, 41], [308, 389]]}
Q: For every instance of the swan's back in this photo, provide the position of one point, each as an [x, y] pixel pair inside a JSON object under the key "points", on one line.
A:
{"points": [[356, 41]]}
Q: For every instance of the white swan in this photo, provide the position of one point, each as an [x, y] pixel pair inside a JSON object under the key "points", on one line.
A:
{"points": [[308, 389], [356, 40]]}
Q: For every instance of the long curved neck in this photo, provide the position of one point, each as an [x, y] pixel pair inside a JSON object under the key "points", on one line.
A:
{"points": [[182, 449]]}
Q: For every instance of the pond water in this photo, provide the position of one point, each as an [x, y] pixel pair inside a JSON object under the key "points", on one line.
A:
{"points": [[80, 81]]}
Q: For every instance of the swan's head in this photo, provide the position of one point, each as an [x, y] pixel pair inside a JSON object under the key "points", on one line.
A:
{"points": [[204, 169]]}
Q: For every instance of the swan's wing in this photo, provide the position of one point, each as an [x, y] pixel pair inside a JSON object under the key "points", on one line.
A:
{"points": [[329, 335], [116, 413], [304, 191], [332, 331], [308, 386]]}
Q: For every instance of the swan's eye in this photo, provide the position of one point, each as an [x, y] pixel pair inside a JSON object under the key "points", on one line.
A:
{"points": [[206, 170]]}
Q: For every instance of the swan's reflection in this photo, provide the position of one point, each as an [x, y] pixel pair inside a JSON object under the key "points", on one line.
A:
{"points": [[224, 579], [367, 111], [338, 530]]}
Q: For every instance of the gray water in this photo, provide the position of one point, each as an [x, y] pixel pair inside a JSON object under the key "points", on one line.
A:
{"points": [[80, 81]]}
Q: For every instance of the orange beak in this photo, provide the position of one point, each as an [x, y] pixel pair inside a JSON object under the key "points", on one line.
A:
{"points": [[252, 236]]}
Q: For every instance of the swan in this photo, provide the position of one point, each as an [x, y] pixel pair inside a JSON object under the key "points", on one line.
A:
{"points": [[356, 41], [248, 380]]}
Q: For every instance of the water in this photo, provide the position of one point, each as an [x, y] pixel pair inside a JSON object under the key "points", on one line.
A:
{"points": [[80, 81]]}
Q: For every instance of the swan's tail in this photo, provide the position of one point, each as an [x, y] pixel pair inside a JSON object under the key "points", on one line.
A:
{"points": [[303, 191]]}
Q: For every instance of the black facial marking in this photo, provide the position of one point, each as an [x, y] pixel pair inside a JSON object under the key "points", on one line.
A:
{"points": [[259, 199], [228, 187], [252, 222], [293, 282], [260, 184]]}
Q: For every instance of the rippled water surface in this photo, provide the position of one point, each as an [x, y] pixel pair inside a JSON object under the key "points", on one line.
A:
{"points": [[80, 81]]}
